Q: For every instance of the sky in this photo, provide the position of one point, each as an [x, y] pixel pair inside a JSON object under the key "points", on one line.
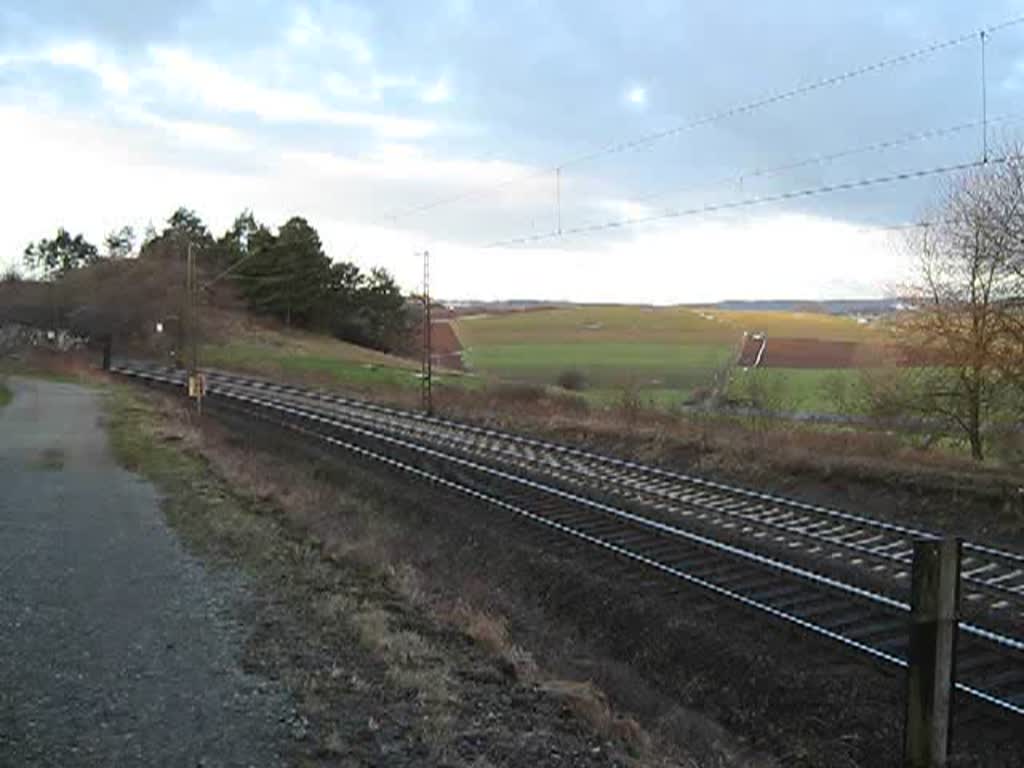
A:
{"points": [[465, 127]]}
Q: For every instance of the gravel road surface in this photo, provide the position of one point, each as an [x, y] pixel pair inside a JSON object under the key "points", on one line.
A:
{"points": [[116, 647]]}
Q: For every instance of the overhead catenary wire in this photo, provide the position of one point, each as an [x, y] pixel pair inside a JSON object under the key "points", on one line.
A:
{"points": [[791, 93], [984, 100], [734, 111], [749, 202], [828, 157]]}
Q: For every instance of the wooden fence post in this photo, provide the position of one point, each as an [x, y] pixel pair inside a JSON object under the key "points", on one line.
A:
{"points": [[108, 343], [935, 611]]}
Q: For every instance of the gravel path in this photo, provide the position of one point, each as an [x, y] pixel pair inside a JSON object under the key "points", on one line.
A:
{"points": [[116, 647]]}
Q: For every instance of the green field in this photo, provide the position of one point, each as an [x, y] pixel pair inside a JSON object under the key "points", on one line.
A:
{"points": [[812, 390], [611, 364], [595, 324], [663, 352]]}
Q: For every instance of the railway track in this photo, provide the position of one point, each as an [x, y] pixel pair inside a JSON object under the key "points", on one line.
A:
{"points": [[879, 552], [553, 486]]}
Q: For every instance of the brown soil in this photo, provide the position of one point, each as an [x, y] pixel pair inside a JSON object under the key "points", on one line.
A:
{"points": [[781, 352], [445, 344]]}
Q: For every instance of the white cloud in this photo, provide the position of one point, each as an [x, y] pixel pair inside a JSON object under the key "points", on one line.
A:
{"points": [[180, 73], [437, 93], [187, 76], [770, 256], [110, 176], [623, 208], [354, 46], [190, 132], [344, 86], [401, 162], [304, 31], [77, 54], [637, 96]]}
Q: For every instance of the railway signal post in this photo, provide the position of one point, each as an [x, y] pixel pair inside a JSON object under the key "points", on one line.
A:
{"points": [[935, 612], [427, 367]]}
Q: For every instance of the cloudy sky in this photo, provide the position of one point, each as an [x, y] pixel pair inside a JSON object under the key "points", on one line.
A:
{"points": [[398, 126]]}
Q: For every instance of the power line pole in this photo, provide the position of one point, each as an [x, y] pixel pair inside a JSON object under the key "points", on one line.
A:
{"points": [[195, 383], [427, 365]]}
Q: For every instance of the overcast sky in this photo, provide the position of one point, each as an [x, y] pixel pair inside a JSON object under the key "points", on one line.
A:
{"points": [[360, 116]]}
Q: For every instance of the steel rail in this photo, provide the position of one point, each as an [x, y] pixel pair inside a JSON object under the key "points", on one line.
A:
{"points": [[636, 520], [244, 403], [1007, 580], [752, 516], [583, 453]]}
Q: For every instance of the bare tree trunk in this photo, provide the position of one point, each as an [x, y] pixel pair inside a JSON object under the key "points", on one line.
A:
{"points": [[974, 421], [977, 447]]}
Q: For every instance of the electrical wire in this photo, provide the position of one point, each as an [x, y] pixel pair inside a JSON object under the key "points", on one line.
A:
{"points": [[740, 109], [748, 202], [821, 159]]}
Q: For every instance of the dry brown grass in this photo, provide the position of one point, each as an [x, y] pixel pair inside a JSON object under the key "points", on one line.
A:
{"points": [[340, 523], [589, 703], [731, 445], [491, 633]]}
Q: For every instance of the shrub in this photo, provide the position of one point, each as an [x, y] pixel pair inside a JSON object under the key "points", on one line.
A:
{"points": [[572, 379]]}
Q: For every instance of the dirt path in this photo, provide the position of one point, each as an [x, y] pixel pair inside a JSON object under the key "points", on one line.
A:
{"points": [[116, 646]]}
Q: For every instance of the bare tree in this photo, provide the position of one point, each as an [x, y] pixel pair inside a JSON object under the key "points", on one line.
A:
{"points": [[968, 281]]}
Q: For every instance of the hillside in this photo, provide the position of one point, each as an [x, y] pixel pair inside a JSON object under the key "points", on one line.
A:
{"points": [[240, 342]]}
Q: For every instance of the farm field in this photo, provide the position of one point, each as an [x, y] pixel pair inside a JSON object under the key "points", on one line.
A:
{"points": [[811, 390], [663, 353], [604, 364]]}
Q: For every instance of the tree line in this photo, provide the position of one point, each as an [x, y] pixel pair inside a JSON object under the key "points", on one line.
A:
{"points": [[282, 273]]}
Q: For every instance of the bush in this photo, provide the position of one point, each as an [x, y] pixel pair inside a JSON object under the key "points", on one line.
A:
{"points": [[517, 394], [572, 379]]}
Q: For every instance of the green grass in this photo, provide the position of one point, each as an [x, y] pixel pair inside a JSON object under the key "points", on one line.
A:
{"points": [[669, 325], [663, 352], [597, 324], [604, 365], [322, 360], [799, 389], [5, 393]]}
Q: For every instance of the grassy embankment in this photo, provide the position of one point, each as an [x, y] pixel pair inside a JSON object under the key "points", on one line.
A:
{"points": [[5, 393], [318, 360]]}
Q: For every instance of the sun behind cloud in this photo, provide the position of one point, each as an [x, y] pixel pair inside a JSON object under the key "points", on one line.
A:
{"points": [[637, 95]]}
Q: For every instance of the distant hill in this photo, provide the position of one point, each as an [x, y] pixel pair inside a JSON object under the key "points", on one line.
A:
{"points": [[828, 307]]}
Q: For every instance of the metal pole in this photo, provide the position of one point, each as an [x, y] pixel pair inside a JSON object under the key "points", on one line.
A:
{"points": [[108, 343], [192, 289], [984, 102], [195, 336], [427, 369], [935, 612]]}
